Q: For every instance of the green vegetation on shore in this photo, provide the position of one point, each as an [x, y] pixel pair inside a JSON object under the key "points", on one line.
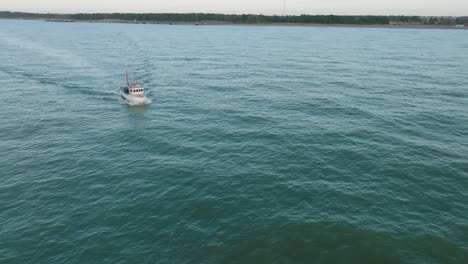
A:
{"points": [[244, 19]]}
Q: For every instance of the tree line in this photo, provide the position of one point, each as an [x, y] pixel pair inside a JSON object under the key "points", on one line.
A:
{"points": [[243, 19]]}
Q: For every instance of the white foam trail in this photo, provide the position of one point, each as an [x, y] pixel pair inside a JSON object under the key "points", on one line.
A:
{"points": [[146, 101]]}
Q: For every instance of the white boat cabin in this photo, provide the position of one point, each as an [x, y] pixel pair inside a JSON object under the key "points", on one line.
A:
{"points": [[136, 90]]}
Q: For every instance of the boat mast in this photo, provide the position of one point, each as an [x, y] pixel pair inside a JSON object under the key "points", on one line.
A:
{"points": [[126, 78]]}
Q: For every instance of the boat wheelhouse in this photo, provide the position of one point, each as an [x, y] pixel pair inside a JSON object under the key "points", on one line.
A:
{"points": [[134, 89]]}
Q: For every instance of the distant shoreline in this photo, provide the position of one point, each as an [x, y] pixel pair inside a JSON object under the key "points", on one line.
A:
{"points": [[223, 23]]}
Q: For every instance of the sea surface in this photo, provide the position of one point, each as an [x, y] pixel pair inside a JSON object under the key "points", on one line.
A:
{"points": [[262, 144]]}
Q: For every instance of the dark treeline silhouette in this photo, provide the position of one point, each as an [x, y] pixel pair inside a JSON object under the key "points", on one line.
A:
{"points": [[243, 19]]}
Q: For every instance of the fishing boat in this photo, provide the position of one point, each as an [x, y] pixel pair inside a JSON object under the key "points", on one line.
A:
{"points": [[133, 92]]}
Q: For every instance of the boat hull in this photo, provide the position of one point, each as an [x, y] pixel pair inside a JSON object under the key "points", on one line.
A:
{"points": [[134, 100]]}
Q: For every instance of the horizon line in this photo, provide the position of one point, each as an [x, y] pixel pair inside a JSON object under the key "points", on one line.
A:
{"points": [[238, 14]]}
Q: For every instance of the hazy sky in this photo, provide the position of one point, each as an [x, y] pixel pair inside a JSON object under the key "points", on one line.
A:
{"points": [[346, 7]]}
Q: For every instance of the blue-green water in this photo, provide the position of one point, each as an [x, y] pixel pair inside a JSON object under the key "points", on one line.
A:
{"points": [[262, 144]]}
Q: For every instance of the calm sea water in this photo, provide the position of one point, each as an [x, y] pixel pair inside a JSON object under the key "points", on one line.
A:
{"points": [[262, 144]]}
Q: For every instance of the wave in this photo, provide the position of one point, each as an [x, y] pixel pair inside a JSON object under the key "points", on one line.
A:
{"points": [[64, 56]]}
